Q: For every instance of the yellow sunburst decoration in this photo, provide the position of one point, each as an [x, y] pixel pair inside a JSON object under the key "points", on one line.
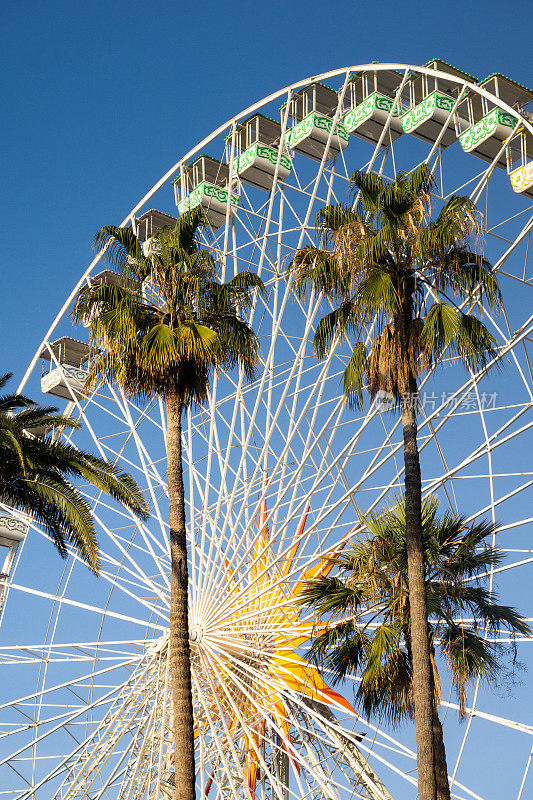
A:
{"points": [[250, 644]]}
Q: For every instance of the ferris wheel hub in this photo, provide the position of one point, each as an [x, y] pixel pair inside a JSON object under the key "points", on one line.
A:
{"points": [[196, 634]]}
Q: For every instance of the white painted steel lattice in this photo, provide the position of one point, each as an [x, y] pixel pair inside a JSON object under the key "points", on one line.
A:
{"points": [[276, 474]]}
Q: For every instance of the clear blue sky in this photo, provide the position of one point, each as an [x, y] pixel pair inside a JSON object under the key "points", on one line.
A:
{"points": [[101, 98]]}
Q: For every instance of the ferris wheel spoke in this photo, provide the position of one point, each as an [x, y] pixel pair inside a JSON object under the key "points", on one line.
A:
{"points": [[526, 770], [118, 582], [225, 467], [20, 703], [271, 476], [152, 474], [230, 606], [229, 735], [94, 752], [327, 785], [136, 779], [208, 466], [221, 751], [498, 501], [320, 749], [58, 768], [275, 509], [136, 570], [245, 674], [320, 480], [494, 443], [76, 651], [116, 773], [325, 452], [339, 737], [358, 762], [242, 683], [513, 355], [245, 445], [65, 717], [506, 723], [448, 415], [481, 450], [86, 607]]}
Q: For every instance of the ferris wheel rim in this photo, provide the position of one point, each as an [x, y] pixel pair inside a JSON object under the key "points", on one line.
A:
{"points": [[401, 67]]}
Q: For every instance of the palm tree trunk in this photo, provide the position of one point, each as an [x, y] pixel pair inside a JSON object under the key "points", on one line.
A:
{"points": [[422, 677], [180, 664], [441, 767], [281, 769]]}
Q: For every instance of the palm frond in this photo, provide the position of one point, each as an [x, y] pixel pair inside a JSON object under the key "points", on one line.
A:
{"points": [[370, 585], [440, 330], [420, 182], [10, 442], [36, 478], [321, 270], [469, 657], [239, 290], [119, 244], [341, 648], [239, 345], [468, 275], [457, 222], [352, 388], [5, 378], [370, 186], [76, 520], [332, 220], [337, 323], [475, 345], [462, 335], [326, 594], [12, 402], [376, 296], [185, 232]]}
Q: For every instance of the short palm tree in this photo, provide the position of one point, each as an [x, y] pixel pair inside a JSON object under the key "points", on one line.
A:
{"points": [[36, 476], [165, 328], [386, 261], [366, 603]]}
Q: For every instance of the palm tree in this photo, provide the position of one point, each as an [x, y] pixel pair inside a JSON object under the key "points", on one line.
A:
{"points": [[36, 474], [165, 327], [369, 624], [383, 261]]}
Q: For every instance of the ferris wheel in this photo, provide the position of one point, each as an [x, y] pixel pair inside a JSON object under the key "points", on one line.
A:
{"points": [[277, 473]]}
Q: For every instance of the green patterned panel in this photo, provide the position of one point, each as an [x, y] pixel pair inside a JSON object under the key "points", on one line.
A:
{"points": [[299, 131], [485, 128], [259, 150], [364, 110], [425, 110], [304, 128], [204, 189]]}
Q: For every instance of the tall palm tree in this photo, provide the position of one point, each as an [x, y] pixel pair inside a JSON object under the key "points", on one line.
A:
{"points": [[165, 328], [369, 626], [36, 474], [388, 262]]}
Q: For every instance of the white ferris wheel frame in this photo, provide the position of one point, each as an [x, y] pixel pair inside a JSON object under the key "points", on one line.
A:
{"points": [[429, 428]]}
